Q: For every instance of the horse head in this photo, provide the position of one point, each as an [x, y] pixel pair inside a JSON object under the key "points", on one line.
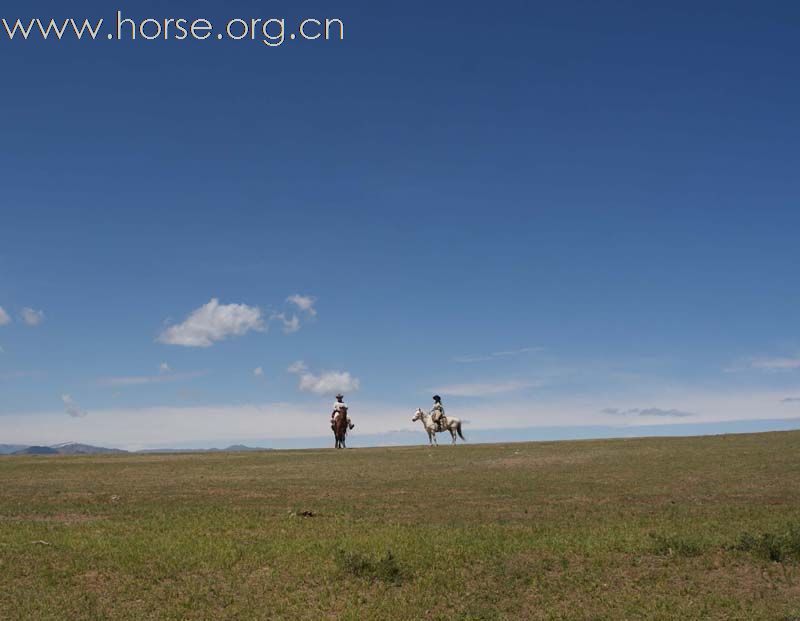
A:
{"points": [[418, 415]]}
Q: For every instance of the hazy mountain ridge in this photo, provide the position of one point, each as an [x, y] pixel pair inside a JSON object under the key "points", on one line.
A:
{"points": [[76, 448], [37, 450], [68, 448], [235, 448]]}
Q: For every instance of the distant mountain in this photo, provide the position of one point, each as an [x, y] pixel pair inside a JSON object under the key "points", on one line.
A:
{"points": [[69, 448], [74, 448], [235, 448], [37, 450]]}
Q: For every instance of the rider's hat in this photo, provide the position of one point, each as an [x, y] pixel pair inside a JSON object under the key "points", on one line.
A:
{"points": [[437, 398], [340, 396]]}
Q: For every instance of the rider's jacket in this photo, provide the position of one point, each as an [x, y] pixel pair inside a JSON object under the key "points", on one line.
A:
{"points": [[437, 411], [338, 408]]}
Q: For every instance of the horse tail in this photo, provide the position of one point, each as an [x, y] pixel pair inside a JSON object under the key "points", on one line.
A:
{"points": [[458, 429]]}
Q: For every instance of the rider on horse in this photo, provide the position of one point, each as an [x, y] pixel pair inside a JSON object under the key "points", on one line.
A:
{"points": [[437, 413], [340, 409]]}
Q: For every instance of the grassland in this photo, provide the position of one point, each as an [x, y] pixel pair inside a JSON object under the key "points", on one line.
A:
{"points": [[685, 528]]}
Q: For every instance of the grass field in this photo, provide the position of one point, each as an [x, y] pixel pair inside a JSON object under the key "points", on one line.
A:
{"points": [[684, 528]]}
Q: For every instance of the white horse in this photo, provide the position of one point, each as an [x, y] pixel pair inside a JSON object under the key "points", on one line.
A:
{"points": [[453, 426]]}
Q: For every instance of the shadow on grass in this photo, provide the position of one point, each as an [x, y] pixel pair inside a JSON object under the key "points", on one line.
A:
{"points": [[782, 547], [360, 565], [777, 547]]}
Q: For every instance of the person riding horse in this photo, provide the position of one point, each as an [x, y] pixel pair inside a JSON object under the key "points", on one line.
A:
{"points": [[437, 413], [340, 409]]}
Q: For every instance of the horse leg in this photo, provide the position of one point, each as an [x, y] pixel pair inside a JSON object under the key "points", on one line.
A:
{"points": [[453, 433]]}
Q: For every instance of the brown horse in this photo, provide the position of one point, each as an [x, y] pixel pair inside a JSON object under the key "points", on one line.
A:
{"points": [[340, 430]]}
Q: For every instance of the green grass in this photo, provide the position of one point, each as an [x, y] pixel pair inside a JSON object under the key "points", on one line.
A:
{"points": [[684, 528]]}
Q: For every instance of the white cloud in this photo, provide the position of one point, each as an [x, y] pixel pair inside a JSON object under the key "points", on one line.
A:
{"points": [[497, 354], [258, 372], [484, 389], [328, 382], [142, 380], [297, 367], [768, 364], [134, 428], [32, 317], [72, 408], [290, 325], [5, 318], [214, 425], [303, 302], [164, 368], [648, 412], [791, 400], [214, 322], [775, 364], [14, 375]]}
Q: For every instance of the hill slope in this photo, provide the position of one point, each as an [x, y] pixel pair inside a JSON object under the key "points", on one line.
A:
{"points": [[69, 448], [37, 450], [76, 448], [689, 528]]}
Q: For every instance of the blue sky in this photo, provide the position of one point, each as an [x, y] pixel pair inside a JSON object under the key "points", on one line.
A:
{"points": [[578, 215]]}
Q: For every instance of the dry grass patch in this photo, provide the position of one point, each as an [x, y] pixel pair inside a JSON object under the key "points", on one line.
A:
{"points": [[689, 528]]}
